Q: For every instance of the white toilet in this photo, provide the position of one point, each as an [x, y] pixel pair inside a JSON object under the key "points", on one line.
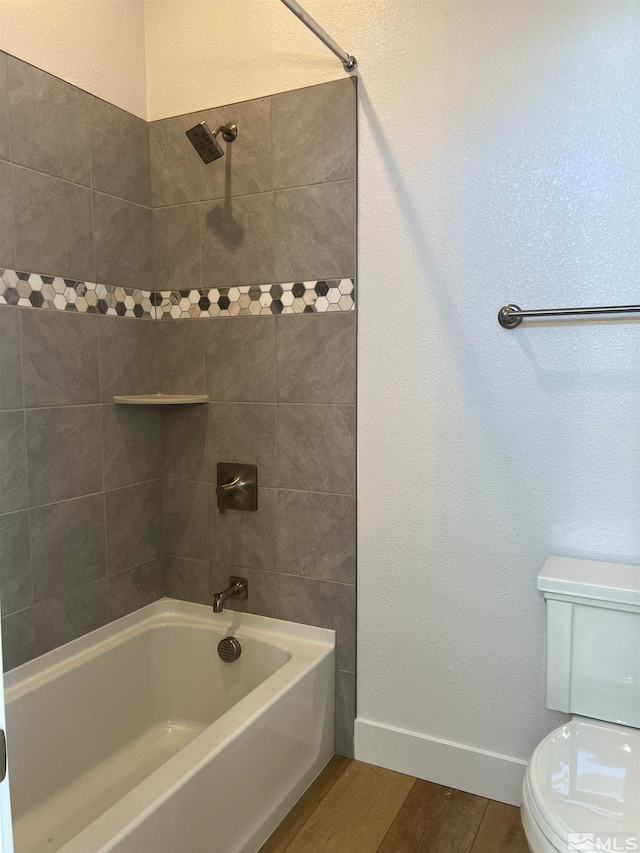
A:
{"points": [[582, 786]]}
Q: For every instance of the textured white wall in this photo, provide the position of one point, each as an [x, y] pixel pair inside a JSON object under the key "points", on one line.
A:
{"points": [[499, 162], [97, 45], [204, 53]]}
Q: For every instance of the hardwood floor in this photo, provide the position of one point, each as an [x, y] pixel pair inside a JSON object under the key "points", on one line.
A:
{"points": [[358, 808]]}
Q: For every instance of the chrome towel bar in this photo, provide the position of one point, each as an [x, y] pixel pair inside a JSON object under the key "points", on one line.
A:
{"points": [[510, 316]]}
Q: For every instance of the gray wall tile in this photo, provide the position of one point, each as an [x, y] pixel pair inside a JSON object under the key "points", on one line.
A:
{"points": [[181, 357], [10, 367], [4, 109], [325, 604], [67, 546], [123, 242], [345, 712], [59, 358], [263, 589], [247, 166], [244, 538], [119, 152], [316, 448], [315, 365], [174, 162], [132, 449], [49, 123], [47, 242], [176, 247], [13, 462], [134, 525], [17, 638], [314, 134], [7, 244], [237, 241], [240, 359], [128, 362], [62, 619], [135, 588], [64, 458], [317, 358], [184, 442], [15, 562], [243, 432], [187, 580], [314, 232], [185, 519], [316, 535]]}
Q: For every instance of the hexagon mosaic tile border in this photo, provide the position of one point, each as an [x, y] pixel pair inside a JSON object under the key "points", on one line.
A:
{"points": [[300, 297], [32, 290]]}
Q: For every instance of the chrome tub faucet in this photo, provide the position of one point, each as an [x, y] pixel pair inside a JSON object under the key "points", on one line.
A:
{"points": [[238, 588]]}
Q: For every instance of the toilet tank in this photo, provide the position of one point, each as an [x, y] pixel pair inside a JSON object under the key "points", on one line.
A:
{"points": [[593, 639]]}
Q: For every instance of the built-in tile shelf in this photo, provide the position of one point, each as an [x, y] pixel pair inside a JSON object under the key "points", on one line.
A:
{"points": [[161, 399]]}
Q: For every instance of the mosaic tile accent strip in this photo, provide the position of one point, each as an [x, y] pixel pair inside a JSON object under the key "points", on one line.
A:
{"points": [[300, 297], [31, 290]]}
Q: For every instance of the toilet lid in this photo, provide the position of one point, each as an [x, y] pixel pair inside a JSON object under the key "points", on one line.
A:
{"points": [[585, 777]]}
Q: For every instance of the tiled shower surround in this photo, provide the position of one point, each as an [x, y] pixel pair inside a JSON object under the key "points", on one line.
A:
{"points": [[248, 267]]}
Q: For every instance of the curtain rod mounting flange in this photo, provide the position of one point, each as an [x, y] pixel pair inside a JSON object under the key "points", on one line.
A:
{"points": [[349, 62]]}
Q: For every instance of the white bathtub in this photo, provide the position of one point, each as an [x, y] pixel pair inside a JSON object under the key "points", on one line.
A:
{"points": [[137, 738]]}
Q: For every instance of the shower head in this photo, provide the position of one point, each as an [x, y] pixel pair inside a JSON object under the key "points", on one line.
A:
{"points": [[205, 140]]}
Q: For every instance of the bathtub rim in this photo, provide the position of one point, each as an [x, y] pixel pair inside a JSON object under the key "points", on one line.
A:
{"points": [[308, 647], [165, 611]]}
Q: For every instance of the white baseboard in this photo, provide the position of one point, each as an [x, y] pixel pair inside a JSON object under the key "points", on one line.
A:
{"points": [[496, 777]]}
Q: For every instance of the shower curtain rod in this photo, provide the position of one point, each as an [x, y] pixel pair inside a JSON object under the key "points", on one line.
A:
{"points": [[348, 62]]}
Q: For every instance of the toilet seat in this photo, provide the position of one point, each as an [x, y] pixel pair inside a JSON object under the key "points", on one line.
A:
{"points": [[583, 777]]}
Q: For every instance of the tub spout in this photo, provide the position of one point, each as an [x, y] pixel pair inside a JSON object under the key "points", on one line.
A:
{"points": [[238, 588]]}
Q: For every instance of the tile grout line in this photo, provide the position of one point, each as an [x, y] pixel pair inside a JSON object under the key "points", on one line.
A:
{"points": [[21, 610], [277, 445], [11, 172], [268, 572], [163, 415], [104, 499], [266, 488], [127, 569], [200, 228], [87, 187], [26, 473], [274, 264], [83, 497], [207, 491], [243, 195], [66, 592]]}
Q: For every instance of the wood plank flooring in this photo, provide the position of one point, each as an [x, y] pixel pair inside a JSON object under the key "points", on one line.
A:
{"points": [[358, 808]]}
